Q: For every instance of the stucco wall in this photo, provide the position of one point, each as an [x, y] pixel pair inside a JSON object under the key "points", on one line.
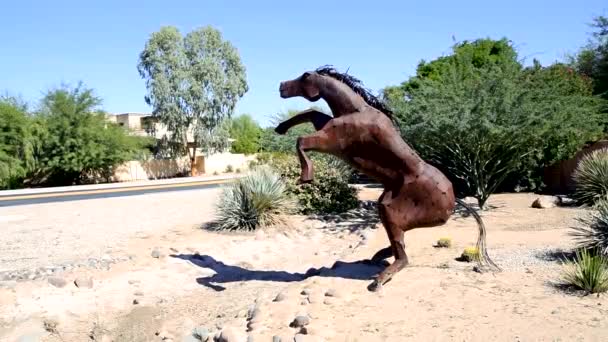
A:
{"points": [[165, 168]]}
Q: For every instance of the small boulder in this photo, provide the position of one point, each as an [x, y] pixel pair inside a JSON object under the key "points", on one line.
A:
{"points": [[57, 281], [231, 335], [281, 296], [200, 333], [155, 253], [84, 282], [276, 338], [544, 202], [300, 321], [331, 293]]}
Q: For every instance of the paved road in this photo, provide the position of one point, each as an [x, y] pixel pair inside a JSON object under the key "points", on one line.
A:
{"points": [[78, 195]]}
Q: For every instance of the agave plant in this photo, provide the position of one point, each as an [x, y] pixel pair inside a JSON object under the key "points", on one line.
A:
{"points": [[592, 233], [259, 199], [591, 177], [588, 272]]}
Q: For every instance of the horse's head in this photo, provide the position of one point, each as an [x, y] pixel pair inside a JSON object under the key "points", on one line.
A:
{"points": [[307, 86]]}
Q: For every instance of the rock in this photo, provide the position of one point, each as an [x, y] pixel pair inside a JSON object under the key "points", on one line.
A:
{"points": [[155, 253], [231, 335], [250, 338], [306, 292], [280, 297], [253, 315], [138, 293], [300, 321], [276, 338], [84, 282], [174, 250], [201, 333], [135, 301], [57, 281], [132, 282], [544, 202], [331, 293], [190, 338]]}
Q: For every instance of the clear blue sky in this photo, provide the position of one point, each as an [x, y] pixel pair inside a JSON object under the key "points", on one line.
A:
{"points": [[45, 43]]}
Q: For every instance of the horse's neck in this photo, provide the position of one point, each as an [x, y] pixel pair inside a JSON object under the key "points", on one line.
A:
{"points": [[340, 98]]}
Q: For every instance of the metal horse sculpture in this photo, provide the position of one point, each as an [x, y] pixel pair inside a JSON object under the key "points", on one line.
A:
{"points": [[361, 132]]}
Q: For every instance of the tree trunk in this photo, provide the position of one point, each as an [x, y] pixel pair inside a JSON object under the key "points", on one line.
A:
{"points": [[193, 160]]}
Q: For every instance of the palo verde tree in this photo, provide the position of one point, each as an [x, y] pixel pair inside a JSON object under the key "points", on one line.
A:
{"points": [[193, 84]]}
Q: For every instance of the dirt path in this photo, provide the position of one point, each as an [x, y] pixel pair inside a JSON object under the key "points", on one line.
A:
{"points": [[230, 283]]}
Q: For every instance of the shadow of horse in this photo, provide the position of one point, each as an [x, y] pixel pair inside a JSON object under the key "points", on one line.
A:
{"points": [[357, 270]]}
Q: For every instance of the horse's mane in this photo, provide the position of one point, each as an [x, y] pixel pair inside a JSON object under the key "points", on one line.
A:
{"points": [[356, 86]]}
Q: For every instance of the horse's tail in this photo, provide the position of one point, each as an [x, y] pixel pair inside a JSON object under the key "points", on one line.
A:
{"points": [[484, 258]]}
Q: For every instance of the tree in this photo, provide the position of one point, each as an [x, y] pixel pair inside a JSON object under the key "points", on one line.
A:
{"points": [[15, 143], [482, 119], [193, 84], [78, 141], [246, 132], [592, 60]]}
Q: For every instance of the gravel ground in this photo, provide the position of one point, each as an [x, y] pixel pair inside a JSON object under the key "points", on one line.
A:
{"points": [[46, 235]]}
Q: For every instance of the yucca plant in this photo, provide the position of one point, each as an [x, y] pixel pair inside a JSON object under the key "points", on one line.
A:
{"points": [[259, 199], [588, 272], [592, 233], [591, 177]]}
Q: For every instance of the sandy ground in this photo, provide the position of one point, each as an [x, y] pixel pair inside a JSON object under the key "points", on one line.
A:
{"points": [[230, 282]]}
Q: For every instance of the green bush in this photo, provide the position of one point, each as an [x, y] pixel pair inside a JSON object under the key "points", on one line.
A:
{"points": [[257, 200], [593, 231], [591, 177], [588, 272], [328, 193]]}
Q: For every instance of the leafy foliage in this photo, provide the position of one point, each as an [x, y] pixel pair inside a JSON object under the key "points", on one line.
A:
{"points": [[591, 177], [588, 272], [328, 193], [483, 119], [259, 199], [193, 85], [592, 60], [15, 144], [246, 133], [592, 233], [76, 139], [272, 142]]}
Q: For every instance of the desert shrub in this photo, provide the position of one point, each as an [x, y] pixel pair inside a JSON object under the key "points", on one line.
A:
{"points": [[592, 233], [444, 242], [259, 199], [588, 272], [591, 177], [328, 193], [470, 254], [229, 169]]}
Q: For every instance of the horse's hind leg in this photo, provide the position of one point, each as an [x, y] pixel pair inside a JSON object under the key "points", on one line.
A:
{"points": [[394, 227]]}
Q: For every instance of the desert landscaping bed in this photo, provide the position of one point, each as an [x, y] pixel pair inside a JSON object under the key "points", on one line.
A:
{"points": [[303, 282]]}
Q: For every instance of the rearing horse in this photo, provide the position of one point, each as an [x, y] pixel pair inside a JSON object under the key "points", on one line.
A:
{"points": [[361, 132]]}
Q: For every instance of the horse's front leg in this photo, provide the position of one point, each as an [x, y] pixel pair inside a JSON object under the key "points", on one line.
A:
{"points": [[319, 142], [318, 120]]}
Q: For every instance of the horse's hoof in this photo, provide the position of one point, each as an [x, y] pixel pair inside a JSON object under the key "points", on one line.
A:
{"points": [[304, 181], [375, 286]]}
